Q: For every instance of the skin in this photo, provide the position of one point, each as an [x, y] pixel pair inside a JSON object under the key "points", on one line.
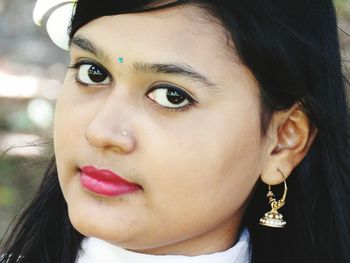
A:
{"points": [[197, 167]]}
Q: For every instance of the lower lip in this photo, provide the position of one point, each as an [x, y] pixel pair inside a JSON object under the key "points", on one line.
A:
{"points": [[104, 187]]}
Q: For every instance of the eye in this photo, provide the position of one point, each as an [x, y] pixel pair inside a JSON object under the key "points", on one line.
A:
{"points": [[91, 74], [170, 97]]}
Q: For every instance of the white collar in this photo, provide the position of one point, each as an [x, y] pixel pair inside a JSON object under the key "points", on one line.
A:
{"points": [[98, 251]]}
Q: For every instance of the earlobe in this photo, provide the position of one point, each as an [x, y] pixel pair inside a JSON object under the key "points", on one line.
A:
{"points": [[293, 135]]}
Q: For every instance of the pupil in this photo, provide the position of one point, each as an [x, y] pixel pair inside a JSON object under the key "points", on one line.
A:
{"points": [[174, 97], [96, 74]]}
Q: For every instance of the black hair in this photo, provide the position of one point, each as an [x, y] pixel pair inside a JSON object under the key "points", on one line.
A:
{"points": [[292, 49]]}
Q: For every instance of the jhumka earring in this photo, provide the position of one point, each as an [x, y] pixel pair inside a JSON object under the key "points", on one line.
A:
{"points": [[273, 218]]}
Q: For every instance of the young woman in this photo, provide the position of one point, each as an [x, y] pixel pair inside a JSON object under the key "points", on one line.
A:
{"points": [[176, 119]]}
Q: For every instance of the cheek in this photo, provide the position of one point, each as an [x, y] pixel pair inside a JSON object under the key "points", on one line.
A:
{"points": [[206, 165], [69, 125], [74, 111]]}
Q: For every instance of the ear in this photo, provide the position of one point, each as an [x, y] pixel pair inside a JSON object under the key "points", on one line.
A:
{"points": [[290, 137]]}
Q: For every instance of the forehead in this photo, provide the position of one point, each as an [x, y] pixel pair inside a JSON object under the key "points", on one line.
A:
{"points": [[180, 31]]}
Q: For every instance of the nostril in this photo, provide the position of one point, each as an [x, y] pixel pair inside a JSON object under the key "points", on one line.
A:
{"points": [[117, 149]]}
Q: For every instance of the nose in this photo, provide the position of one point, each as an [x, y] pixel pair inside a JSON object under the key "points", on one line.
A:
{"points": [[112, 127]]}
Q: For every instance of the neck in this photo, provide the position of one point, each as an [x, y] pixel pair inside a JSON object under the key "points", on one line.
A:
{"points": [[96, 250]]}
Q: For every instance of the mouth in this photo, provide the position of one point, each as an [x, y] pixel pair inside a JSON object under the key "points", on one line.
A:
{"points": [[105, 182]]}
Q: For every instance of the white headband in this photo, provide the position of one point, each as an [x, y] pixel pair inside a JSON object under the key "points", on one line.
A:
{"points": [[59, 14]]}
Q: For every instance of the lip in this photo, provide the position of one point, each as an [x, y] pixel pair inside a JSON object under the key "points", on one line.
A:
{"points": [[105, 182]]}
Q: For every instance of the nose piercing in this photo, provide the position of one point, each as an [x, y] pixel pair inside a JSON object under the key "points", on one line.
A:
{"points": [[124, 133]]}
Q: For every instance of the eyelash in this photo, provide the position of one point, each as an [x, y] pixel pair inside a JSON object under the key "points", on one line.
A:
{"points": [[76, 67], [191, 102]]}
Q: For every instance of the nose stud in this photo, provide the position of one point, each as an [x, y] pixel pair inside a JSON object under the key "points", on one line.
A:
{"points": [[124, 133]]}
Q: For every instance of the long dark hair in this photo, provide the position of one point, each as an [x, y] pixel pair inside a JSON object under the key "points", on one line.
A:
{"points": [[291, 47]]}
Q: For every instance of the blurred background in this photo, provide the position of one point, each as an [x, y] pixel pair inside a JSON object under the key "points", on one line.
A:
{"points": [[31, 73], [32, 69]]}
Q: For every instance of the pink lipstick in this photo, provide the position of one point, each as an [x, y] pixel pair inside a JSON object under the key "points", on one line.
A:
{"points": [[105, 182]]}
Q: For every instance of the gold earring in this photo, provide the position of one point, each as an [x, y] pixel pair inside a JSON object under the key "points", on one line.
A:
{"points": [[273, 218]]}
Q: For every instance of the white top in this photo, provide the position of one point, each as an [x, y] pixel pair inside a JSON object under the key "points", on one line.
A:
{"points": [[98, 251]]}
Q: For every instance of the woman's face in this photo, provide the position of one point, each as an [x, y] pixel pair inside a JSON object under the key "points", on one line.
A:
{"points": [[193, 142]]}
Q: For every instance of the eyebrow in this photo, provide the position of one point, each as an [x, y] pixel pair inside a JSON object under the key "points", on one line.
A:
{"points": [[184, 70]]}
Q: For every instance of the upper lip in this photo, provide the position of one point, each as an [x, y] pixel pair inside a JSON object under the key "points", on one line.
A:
{"points": [[105, 175]]}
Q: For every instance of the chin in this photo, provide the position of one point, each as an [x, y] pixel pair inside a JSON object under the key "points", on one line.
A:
{"points": [[91, 226]]}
